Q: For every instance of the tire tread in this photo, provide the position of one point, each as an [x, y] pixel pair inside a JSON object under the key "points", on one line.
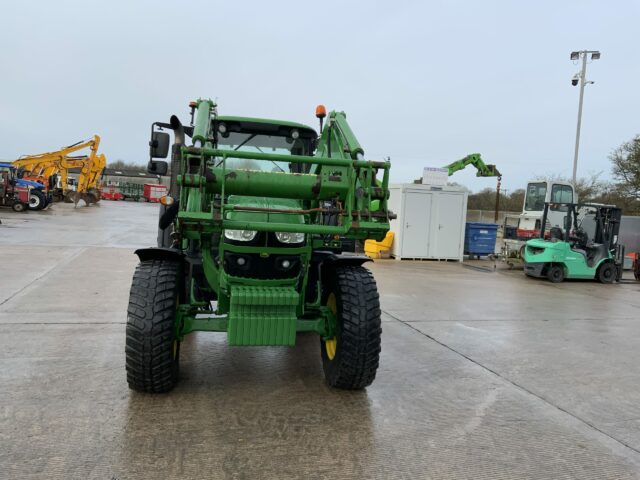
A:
{"points": [[151, 327], [359, 344]]}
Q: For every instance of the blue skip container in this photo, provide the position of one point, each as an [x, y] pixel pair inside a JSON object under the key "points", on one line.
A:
{"points": [[480, 238]]}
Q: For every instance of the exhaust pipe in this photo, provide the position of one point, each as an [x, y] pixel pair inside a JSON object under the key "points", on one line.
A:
{"points": [[178, 129], [179, 142]]}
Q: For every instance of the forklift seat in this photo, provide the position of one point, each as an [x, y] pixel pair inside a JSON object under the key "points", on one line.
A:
{"points": [[595, 253]]}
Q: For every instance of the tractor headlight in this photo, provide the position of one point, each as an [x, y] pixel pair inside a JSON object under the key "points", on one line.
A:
{"points": [[287, 237], [240, 235]]}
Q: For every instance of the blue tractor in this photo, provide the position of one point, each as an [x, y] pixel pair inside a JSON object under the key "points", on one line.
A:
{"points": [[39, 198]]}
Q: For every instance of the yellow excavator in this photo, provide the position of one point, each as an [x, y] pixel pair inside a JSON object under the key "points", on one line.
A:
{"points": [[51, 169]]}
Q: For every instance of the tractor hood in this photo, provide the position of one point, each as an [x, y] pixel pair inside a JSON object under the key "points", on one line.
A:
{"points": [[28, 183], [265, 203]]}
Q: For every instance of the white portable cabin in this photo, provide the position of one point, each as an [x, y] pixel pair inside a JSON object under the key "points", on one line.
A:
{"points": [[430, 223]]}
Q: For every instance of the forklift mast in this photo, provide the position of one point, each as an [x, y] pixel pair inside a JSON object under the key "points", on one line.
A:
{"points": [[607, 220]]}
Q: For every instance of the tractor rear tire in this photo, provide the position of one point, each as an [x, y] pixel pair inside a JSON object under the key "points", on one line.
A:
{"points": [[37, 200], [555, 273], [350, 360], [152, 349], [607, 273]]}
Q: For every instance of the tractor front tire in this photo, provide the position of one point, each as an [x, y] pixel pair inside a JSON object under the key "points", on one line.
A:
{"points": [[607, 273], [19, 207], [152, 349], [350, 359], [555, 273]]}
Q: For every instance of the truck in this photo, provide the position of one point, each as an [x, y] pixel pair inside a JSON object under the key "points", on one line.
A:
{"points": [[250, 243], [529, 223]]}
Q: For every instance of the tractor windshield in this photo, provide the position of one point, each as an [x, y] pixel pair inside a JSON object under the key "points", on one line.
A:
{"points": [[9, 170], [535, 197], [262, 143]]}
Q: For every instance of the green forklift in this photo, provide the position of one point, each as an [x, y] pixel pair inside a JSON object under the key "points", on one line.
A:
{"points": [[587, 247]]}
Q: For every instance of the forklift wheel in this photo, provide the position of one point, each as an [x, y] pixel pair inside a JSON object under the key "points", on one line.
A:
{"points": [[555, 273], [607, 273]]}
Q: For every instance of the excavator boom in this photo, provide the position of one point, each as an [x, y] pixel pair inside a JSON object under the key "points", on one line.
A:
{"points": [[474, 159], [42, 167]]}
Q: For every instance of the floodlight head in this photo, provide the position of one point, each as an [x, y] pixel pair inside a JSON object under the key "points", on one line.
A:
{"points": [[575, 55], [595, 55]]}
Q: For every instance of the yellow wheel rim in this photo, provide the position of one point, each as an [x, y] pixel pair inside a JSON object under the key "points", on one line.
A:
{"points": [[331, 344]]}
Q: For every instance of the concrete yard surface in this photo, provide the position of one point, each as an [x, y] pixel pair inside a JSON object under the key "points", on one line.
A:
{"points": [[484, 373]]}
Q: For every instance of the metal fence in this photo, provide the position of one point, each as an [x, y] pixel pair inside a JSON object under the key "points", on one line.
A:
{"points": [[630, 233], [488, 216]]}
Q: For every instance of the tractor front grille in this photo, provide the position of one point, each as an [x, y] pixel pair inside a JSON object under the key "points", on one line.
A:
{"points": [[272, 267]]}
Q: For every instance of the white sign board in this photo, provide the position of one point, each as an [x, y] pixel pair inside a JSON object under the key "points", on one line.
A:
{"points": [[435, 176]]}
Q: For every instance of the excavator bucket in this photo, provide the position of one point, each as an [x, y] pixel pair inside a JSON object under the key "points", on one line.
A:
{"points": [[88, 197], [494, 171], [94, 193]]}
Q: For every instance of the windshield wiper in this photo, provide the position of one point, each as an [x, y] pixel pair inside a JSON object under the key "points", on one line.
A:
{"points": [[249, 138], [243, 143]]}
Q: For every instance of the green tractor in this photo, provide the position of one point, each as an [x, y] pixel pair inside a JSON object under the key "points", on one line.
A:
{"points": [[250, 243], [587, 247]]}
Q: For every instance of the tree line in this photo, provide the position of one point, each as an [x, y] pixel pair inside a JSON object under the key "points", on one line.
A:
{"points": [[122, 165], [623, 190]]}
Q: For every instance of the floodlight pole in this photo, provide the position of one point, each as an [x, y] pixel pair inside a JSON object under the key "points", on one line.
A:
{"points": [[583, 82]]}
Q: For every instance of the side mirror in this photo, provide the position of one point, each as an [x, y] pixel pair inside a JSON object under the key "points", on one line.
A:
{"points": [[159, 145], [157, 167]]}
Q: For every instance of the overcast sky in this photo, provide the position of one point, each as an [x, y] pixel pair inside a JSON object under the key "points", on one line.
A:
{"points": [[422, 82]]}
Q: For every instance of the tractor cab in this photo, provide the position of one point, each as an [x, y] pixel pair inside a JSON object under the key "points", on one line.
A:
{"points": [[585, 248]]}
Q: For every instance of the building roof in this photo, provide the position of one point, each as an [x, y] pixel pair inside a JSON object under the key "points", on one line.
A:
{"points": [[118, 172]]}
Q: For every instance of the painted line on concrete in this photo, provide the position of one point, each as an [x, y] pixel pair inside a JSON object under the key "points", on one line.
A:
{"points": [[480, 269], [520, 319], [61, 323], [593, 427], [65, 260]]}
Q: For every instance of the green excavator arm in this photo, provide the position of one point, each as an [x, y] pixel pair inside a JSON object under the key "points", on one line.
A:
{"points": [[474, 159]]}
